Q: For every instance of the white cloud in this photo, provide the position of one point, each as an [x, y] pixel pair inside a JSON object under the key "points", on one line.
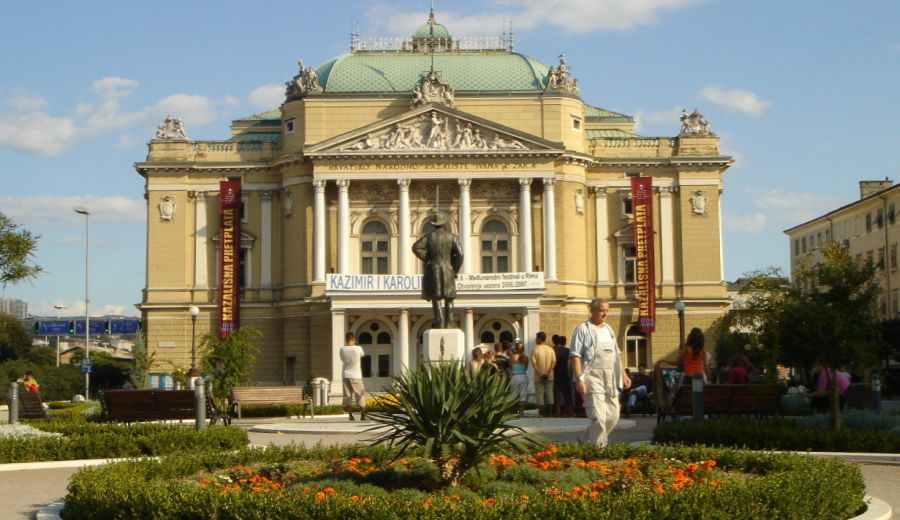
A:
{"points": [[31, 129], [267, 97], [667, 120], [21, 100], [577, 16], [736, 99], [126, 141], [76, 308], [786, 209], [59, 208], [753, 223]]}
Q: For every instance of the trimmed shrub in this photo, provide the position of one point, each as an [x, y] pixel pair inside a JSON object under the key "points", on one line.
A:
{"points": [[754, 485], [777, 434], [83, 440]]}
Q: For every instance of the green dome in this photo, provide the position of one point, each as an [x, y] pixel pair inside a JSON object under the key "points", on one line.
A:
{"points": [[497, 71], [439, 31]]}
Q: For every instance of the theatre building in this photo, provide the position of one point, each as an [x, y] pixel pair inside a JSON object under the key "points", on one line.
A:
{"points": [[301, 223]]}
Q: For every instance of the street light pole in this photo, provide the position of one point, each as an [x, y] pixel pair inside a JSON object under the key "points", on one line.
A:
{"points": [[679, 306], [194, 310], [81, 210], [58, 308]]}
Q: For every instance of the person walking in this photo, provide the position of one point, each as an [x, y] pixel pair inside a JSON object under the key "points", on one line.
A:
{"points": [[598, 372], [543, 360], [351, 360]]}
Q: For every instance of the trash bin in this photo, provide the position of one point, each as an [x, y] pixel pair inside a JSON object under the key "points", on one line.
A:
{"points": [[321, 387]]}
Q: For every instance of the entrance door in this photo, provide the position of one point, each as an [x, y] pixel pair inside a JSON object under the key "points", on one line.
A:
{"points": [[376, 362]]}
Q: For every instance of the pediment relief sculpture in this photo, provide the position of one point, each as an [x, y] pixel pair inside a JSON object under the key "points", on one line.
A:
{"points": [[437, 132]]}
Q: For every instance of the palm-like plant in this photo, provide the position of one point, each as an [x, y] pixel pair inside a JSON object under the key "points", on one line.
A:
{"points": [[458, 417]]}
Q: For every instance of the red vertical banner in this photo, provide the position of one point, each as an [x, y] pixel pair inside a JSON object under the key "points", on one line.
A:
{"points": [[642, 207], [230, 256]]}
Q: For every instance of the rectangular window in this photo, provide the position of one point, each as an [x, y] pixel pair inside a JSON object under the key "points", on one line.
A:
{"points": [[881, 257], [870, 256], [502, 264], [895, 301], [819, 239], [629, 263], [868, 222], [289, 126], [804, 244], [245, 209], [576, 123], [796, 246], [827, 235], [892, 215], [636, 352], [367, 265], [382, 265], [384, 365], [879, 219], [366, 365], [627, 210], [894, 257]]}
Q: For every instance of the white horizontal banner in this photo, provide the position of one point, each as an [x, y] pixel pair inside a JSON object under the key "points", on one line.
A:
{"points": [[413, 282]]}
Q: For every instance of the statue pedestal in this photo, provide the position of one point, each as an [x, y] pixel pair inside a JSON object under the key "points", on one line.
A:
{"points": [[454, 345]]}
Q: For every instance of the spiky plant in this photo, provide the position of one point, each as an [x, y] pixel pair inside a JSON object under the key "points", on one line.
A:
{"points": [[458, 417]]}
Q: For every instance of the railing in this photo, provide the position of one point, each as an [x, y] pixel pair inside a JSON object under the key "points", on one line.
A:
{"points": [[232, 151], [636, 147], [466, 43]]}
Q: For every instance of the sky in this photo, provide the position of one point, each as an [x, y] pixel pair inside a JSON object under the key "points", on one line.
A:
{"points": [[803, 95]]}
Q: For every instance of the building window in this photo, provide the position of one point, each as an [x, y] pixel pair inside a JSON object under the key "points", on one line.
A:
{"points": [[494, 247], [576, 123], [881, 258], [804, 244], [629, 263], [894, 257], [245, 209], [879, 218], [895, 301], [868, 222], [627, 207], [374, 247], [636, 351], [827, 235], [892, 215], [289, 126], [487, 337], [819, 239], [796, 246]]}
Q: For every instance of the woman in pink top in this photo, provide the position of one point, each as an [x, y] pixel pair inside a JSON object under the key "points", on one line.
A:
{"points": [[820, 395]]}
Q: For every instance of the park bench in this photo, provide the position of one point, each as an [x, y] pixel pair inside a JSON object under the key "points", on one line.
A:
{"points": [[859, 397], [31, 406], [752, 400], [241, 395], [155, 405]]}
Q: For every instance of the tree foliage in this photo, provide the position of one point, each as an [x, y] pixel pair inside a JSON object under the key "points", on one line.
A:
{"points": [[15, 342], [753, 325], [228, 360], [16, 250], [142, 362]]}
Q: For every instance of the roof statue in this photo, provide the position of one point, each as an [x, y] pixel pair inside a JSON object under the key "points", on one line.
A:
{"points": [[558, 77], [306, 81], [694, 124], [171, 128], [431, 89]]}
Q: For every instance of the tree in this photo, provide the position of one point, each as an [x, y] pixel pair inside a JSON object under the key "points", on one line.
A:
{"points": [[755, 320], [829, 316], [142, 362], [228, 360], [16, 249], [15, 342]]}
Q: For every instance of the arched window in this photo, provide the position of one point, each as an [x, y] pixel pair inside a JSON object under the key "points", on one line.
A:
{"points": [[364, 338], [506, 336], [384, 338], [487, 337], [636, 351], [494, 247], [375, 248]]}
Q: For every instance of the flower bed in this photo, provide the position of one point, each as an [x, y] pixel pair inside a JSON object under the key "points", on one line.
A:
{"points": [[568, 481]]}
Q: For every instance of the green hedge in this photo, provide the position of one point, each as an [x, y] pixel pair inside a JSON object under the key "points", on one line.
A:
{"points": [[85, 440], [776, 434], [773, 486]]}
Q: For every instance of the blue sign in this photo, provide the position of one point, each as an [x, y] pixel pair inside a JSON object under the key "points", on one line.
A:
{"points": [[96, 326], [124, 326], [86, 366], [51, 328]]}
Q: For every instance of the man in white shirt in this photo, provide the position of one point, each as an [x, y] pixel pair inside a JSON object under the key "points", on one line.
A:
{"points": [[598, 372], [351, 358]]}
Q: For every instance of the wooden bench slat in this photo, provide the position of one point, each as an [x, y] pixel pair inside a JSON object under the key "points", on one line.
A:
{"points": [[241, 395]]}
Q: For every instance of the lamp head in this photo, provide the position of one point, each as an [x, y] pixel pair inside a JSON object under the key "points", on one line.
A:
{"points": [[679, 306], [194, 310], [81, 210]]}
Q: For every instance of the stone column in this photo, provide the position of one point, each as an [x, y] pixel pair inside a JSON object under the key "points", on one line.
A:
{"points": [[666, 220], [401, 354], [319, 231], [526, 265], [403, 228], [200, 246], [465, 226], [343, 226], [338, 328], [265, 239], [469, 329], [721, 245], [531, 324], [549, 230], [602, 226]]}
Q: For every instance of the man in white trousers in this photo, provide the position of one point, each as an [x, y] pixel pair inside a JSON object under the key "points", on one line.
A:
{"points": [[597, 372]]}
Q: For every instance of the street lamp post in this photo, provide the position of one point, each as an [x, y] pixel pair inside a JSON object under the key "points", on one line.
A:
{"points": [[194, 310], [679, 306], [58, 308], [81, 210]]}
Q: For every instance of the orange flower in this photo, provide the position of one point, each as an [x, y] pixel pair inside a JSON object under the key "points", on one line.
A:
{"points": [[320, 496], [489, 502], [329, 490], [307, 490], [355, 498], [523, 497]]}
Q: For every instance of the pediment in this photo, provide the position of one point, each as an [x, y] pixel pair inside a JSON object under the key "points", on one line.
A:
{"points": [[625, 233], [433, 129]]}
